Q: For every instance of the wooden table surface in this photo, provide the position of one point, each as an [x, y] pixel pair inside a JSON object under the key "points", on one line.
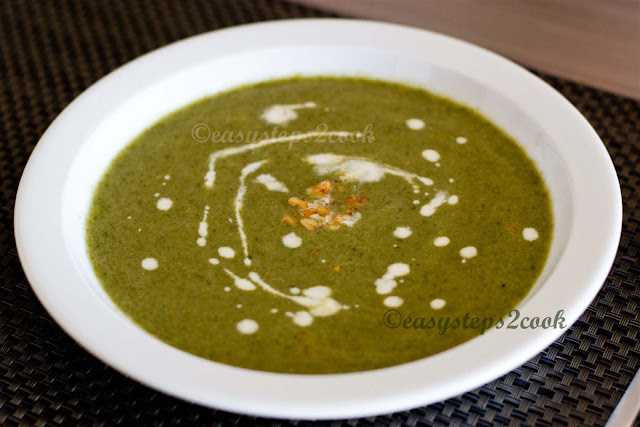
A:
{"points": [[595, 42]]}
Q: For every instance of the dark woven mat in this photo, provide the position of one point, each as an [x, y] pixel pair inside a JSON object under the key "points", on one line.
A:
{"points": [[50, 52]]}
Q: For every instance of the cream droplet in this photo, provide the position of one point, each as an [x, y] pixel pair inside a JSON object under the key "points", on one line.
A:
{"points": [[386, 283], [402, 232], [226, 252], [437, 303], [415, 124], [291, 240], [393, 301], [468, 252], [461, 140], [430, 208], [149, 264], [441, 241], [164, 204], [530, 234], [281, 114], [431, 155], [247, 326], [302, 318]]}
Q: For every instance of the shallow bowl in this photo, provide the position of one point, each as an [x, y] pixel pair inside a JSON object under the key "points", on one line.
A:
{"points": [[57, 184]]}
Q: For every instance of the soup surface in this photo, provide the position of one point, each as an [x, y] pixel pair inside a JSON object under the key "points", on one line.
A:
{"points": [[319, 225]]}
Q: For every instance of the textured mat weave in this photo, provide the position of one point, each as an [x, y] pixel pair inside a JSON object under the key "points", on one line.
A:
{"points": [[50, 52]]}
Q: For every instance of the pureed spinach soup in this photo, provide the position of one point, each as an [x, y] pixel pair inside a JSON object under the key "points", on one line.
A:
{"points": [[319, 225]]}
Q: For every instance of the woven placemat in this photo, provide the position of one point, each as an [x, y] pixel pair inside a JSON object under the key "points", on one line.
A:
{"points": [[50, 52]]}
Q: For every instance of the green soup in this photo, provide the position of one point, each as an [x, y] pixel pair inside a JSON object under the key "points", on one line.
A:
{"points": [[319, 225]]}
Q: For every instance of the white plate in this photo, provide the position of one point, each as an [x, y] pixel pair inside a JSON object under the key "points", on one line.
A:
{"points": [[56, 188]]}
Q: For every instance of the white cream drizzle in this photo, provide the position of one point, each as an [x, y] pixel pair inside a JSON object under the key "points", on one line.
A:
{"points": [[430, 208], [271, 183], [387, 283], [361, 169], [210, 176], [240, 283], [316, 299], [461, 140], [203, 228], [239, 202], [281, 114]]}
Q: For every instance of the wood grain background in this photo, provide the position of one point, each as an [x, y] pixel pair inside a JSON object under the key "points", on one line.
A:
{"points": [[595, 42]]}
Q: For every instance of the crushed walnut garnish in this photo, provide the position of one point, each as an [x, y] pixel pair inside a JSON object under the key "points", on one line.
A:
{"points": [[288, 219], [320, 210]]}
